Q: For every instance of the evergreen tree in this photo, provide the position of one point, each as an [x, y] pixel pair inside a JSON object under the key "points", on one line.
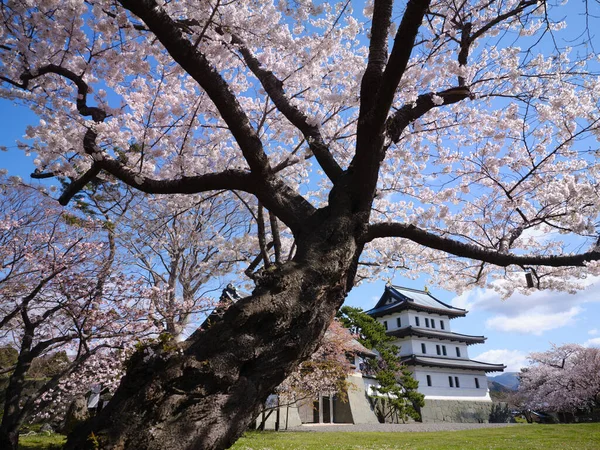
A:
{"points": [[398, 397]]}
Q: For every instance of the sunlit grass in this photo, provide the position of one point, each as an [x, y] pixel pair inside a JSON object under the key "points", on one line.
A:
{"points": [[519, 437], [42, 441]]}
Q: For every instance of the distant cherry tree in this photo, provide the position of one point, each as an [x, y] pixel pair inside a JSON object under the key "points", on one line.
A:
{"points": [[182, 247], [456, 139], [325, 372], [59, 290], [562, 379]]}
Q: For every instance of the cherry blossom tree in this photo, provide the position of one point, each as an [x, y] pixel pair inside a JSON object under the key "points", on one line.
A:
{"points": [[103, 369], [181, 246], [325, 371], [58, 291], [562, 379], [454, 139]]}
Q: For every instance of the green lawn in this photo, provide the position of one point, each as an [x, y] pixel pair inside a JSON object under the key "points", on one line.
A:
{"points": [[521, 437], [41, 441]]}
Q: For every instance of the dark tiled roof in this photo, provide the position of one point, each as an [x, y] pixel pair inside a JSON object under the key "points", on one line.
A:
{"points": [[452, 363], [360, 349], [436, 334], [396, 298]]}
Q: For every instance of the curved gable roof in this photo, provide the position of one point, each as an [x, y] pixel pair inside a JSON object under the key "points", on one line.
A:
{"points": [[397, 298]]}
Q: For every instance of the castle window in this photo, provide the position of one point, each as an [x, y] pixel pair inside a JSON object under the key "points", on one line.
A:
{"points": [[385, 324], [450, 382], [432, 323], [456, 382], [423, 348], [429, 380], [458, 352], [398, 322], [426, 322], [437, 350], [442, 324], [476, 382], [417, 322], [444, 350]]}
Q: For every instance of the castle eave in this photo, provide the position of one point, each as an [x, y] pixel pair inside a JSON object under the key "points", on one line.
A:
{"points": [[451, 363], [436, 334]]}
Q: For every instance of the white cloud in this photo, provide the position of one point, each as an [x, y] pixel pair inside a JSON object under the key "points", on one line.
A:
{"points": [[536, 313], [533, 322], [594, 342], [593, 332], [513, 359]]}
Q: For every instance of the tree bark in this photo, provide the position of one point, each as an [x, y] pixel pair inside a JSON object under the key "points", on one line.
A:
{"points": [[13, 417], [203, 393]]}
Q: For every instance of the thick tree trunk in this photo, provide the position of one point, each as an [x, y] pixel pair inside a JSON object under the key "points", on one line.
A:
{"points": [[13, 417], [9, 438], [203, 393]]}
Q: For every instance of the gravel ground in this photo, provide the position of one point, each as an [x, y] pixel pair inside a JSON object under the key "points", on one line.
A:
{"points": [[399, 428]]}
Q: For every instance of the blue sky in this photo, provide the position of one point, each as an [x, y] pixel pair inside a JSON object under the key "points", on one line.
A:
{"points": [[514, 327]]}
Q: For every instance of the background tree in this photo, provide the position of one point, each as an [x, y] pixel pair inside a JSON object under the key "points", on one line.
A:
{"points": [[563, 379], [440, 137], [103, 369], [182, 246], [325, 371], [58, 291], [396, 396]]}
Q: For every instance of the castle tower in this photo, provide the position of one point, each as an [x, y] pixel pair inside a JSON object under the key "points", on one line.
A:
{"points": [[455, 386]]}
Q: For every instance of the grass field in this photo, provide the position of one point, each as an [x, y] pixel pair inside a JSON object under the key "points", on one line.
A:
{"points": [[522, 437], [41, 441]]}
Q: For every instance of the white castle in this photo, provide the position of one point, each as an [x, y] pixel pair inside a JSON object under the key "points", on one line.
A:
{"points": [[437, 357]]}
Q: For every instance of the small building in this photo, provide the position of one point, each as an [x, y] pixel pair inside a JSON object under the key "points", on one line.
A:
{"points": [[354, 406], [327, 407], [455, 386]]}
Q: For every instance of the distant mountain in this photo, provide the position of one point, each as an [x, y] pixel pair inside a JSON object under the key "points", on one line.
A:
{"points": [[497, 388], [509, 380]]}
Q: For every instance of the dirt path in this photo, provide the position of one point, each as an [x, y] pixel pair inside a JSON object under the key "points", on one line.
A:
{"points": [[399, 428]]}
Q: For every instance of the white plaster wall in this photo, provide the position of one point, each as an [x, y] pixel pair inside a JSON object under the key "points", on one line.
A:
{"points": [[387, 318], [412, 345], [406, 346], [370, 383], [408, 318], [393, 323], [464, 350], [404, 320], [440, 388], [437, 317]]}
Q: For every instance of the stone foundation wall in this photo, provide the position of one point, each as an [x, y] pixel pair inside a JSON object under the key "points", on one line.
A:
{"points": [[456, 411]]}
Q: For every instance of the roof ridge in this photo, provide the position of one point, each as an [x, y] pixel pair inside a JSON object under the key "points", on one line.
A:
{"points": [[395, 287]]}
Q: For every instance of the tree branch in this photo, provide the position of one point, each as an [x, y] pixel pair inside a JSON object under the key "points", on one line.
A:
{"points": [[228, 179], [399, 56], [471, 251], [274, 88], [276, 236], [382, 12], [262, 238], [425, 102], [196, 64]]}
